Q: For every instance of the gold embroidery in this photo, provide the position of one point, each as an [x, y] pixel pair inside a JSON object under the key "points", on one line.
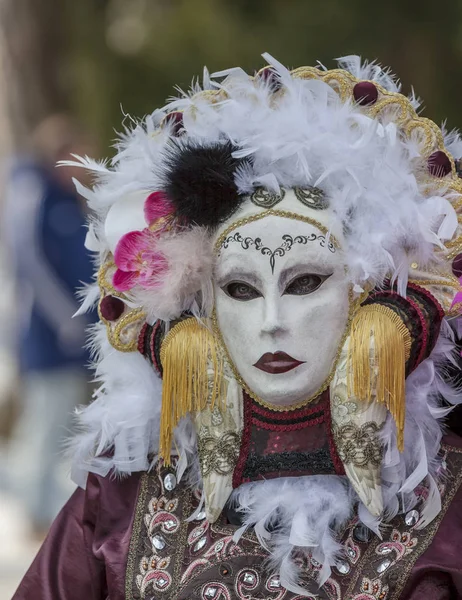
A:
{"points": [[132, 560], [359, 444], [219, 454]]}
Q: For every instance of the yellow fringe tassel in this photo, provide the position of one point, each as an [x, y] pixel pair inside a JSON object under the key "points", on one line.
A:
{"points": [[379, 347], [188, 351]]}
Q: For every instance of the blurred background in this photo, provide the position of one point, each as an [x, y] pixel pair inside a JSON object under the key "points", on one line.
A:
{"points": [[70, 73]]}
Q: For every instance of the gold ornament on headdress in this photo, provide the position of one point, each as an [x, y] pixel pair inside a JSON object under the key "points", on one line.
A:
{"points": [[380, 345], [192, 376]]}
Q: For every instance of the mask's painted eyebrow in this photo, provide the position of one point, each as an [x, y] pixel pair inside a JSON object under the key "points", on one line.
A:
{"points": [[237, 274], [287, 275]]}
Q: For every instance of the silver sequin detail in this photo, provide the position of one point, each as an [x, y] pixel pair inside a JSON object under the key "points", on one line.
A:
{"points": [[200, 544], [210, 592], [383, 566], [385, 550], [411, 518], [170, 482]]}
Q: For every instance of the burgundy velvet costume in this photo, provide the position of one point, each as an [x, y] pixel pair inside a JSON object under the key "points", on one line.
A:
{"points": [[86, 554]]}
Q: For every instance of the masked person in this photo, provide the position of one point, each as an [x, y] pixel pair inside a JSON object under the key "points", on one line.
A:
{"points": [[278, 310]]}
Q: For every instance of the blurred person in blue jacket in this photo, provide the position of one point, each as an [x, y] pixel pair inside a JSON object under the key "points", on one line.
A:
{"points": [[44, 230]]}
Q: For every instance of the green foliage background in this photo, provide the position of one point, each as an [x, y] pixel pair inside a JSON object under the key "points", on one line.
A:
{"points": [[129, 54]]}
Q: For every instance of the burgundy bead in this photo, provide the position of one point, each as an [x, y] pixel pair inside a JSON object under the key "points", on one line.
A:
{"points": [[270, 76], [111, 308], [457, 266], [175, 121], [439, 164], [365, 93]]}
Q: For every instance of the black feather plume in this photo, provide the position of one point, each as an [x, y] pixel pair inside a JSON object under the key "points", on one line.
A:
{"points": [[199, 181]]}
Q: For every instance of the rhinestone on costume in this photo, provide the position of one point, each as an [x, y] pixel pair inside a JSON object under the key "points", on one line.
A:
{"points": [[249, 578], [111, 308], [162, 582], [365, 93], [169, 524], [383, 566], [200, 544], [270, 76], [343, 567], [274, 583], [210, 592], [158, 542], [201, 516], [175, 121], [411, 518], [170, 482], [351, 552], [457, 266], [362, 534], [385, 550], [439, 164]]}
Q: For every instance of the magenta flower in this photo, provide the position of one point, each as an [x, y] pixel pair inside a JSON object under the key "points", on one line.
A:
{"points": [[157, 206], [137, 261], [135, 256]]}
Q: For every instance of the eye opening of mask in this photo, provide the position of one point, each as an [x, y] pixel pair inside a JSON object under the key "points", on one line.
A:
{"points": [[296, 286]]}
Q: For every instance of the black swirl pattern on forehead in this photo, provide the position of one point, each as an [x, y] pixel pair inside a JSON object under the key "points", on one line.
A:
{"points": [[288, 242]]}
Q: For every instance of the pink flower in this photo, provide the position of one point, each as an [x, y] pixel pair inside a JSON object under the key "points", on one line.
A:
{"points": [[137, 261], [157, 206]]}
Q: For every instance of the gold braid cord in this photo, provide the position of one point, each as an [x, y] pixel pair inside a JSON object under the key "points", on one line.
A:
{"points": [[379, 347]]}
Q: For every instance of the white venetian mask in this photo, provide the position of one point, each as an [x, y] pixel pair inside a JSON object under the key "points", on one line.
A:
{"points": [[281, 299]]}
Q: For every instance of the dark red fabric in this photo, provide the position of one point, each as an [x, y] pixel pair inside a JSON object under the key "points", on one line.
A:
{"points": [[85, 554], [437, 574]]}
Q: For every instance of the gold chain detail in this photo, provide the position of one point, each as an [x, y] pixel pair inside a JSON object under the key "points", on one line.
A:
{"points": [[117, 331], [277, 213]]}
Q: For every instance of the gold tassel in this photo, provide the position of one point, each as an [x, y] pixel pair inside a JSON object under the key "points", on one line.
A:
{"points": [[188, 351], [379, 347]]}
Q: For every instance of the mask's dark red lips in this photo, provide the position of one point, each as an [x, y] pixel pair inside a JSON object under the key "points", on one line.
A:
{"points": [[276, 363]]}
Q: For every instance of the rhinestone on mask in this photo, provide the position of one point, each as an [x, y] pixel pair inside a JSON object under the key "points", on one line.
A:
{"points": [[158, 542], [383, 566], [170, 482], [411, 518]]}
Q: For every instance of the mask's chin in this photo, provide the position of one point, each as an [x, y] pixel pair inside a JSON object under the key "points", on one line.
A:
{"points": [[286, 389]]}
